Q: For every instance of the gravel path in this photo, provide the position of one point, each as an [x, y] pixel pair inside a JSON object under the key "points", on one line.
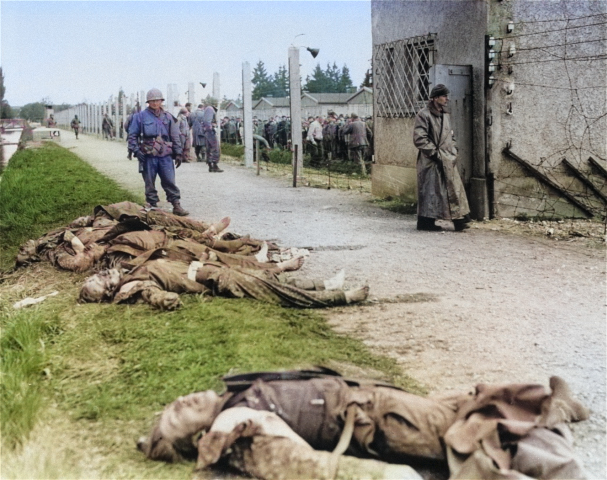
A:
{"points": [[454, 309]]}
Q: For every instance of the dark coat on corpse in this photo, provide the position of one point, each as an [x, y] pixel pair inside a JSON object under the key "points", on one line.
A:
{"points": [[440, 191]]}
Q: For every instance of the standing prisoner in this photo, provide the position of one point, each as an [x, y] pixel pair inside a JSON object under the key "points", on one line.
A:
{"points": [[440, 191]]}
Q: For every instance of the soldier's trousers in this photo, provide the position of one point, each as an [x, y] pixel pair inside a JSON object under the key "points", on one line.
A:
{"points": [[212, 147], [165, 169]]}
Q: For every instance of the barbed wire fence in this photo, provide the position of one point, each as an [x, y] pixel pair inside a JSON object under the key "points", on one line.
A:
{"points": [[336, 168], [571, 175]]}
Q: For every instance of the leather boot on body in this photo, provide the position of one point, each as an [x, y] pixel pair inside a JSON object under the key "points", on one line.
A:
{"points": [[179, 210]]}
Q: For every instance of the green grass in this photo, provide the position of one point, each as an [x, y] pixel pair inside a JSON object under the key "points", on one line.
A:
{"points": [[236, 151], [46, 187], [151, 358], [22, 366], [396, 205], [94, 375]]}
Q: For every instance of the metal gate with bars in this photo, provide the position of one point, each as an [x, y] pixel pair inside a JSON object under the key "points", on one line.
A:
{"points": [[401, 71]]}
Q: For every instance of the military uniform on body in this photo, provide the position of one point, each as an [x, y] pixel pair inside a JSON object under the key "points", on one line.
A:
{"points": [[155, 140]]}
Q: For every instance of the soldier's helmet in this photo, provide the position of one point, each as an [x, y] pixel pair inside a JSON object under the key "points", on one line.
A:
{"points": [[154, 94]]}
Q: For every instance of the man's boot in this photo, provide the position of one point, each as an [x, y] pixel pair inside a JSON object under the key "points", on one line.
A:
{"points": [[461, 224], [216, 169], [179, 210], [427, 224]]}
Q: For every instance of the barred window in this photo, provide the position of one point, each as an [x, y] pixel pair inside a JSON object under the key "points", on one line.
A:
{"points": [[401, 72]]}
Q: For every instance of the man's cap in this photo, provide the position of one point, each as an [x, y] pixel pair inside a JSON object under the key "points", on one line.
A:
{"points": [[439, 90]]}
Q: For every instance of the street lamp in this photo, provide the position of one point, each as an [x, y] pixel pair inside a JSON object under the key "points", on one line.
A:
{"points": [[295, 107]]}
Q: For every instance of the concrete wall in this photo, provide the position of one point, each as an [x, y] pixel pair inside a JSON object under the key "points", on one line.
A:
{"points": [[461, 29], [555, 110]]}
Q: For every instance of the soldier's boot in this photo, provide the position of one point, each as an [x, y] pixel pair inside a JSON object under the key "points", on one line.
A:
{"points": [[179, 210], [216, 169]]}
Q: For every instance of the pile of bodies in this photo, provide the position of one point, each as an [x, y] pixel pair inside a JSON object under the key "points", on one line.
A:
{"points": [[153, 256], [297, 424]]}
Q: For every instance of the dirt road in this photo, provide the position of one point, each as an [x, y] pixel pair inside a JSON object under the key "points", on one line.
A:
{"points": [[454, 309]]}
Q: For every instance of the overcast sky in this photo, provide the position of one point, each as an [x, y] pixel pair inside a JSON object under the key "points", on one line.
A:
{"points": [[75, 51]]}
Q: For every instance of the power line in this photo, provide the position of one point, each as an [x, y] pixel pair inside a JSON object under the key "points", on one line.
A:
{"points": [[560, 45], [551, 86], [564, 19], [551, 31], [588, 58]]}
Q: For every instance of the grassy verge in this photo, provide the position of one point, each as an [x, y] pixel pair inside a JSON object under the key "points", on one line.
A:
{"points": [[236, 151], [43, 188], [90, 377], [396, 205]]}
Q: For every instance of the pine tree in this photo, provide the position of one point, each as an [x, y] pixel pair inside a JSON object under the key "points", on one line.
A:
{"points": [[333, 78], [262, 82], [318, 82], [345, 82], [281, 82], [368, 81]]}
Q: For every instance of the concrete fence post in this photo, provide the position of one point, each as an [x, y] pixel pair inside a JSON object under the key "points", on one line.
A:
{"points": [[295, 103], [124, 100], [117, 114], [192, 94], [247, 114]]}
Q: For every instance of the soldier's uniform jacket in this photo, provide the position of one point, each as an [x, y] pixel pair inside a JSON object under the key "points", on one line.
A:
{"points": [[154, 135]]}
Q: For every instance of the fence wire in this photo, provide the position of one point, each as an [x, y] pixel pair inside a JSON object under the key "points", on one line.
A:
{"points": [[570, 177], [330, 172]]}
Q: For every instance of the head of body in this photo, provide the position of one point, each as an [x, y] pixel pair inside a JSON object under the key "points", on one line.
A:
{"points": [[439, 96], [354, 117], [183, 111], [172, 438], [188, 107], [154, 99], [101, 286]]}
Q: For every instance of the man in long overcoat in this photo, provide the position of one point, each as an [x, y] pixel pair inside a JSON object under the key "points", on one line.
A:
{"points": [[440, 191], [198, 140]]}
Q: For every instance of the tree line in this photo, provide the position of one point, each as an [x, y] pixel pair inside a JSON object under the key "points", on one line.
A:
{"points": [[330, 80]]}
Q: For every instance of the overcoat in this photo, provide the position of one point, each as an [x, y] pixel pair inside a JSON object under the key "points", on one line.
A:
{"points": [[440, 191], [195, 120]]}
